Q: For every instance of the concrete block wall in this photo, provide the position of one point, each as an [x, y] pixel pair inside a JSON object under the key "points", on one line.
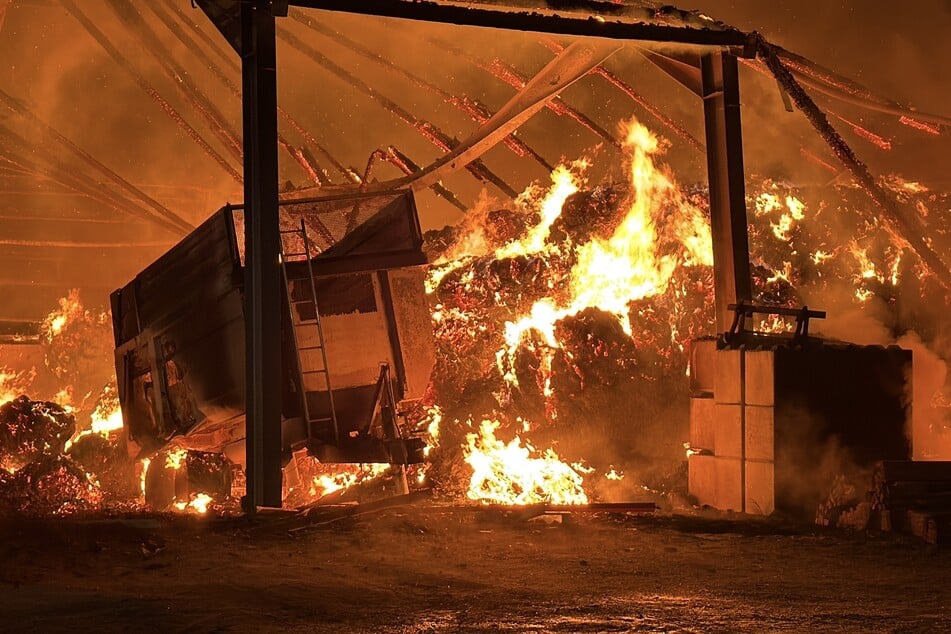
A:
{"points": [[733, 429]]}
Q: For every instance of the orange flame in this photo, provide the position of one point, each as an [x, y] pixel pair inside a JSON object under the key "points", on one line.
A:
{"points": [[611, 273], [197, 503], [70, 309], [344, 477], [513, 473]]}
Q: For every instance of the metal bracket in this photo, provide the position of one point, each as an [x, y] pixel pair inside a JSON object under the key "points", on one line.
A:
{"points": [[742, 310]]}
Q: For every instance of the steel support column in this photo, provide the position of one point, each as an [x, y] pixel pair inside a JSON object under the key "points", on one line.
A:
{"points": [[262, 251], [720, 90]]}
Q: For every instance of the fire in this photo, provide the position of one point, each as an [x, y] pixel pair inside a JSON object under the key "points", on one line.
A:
{"points": [[10, 385], [198, 503], [637, 261], [635, 258], [70, 309], [175, 459], [143, 471], [344, 477], [513, 473], [790, 211], [566, 180], [434, 416], [105, 420]]}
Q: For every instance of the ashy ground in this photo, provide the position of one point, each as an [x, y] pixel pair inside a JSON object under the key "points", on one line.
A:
{"points": [[418, 569]]}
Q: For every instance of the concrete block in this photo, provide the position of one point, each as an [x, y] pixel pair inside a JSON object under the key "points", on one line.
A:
{"points": [[702, 423], [702, 365], [728, 430], [760, 483], [702, 479], [727, 379], [759, 437], [759, 375], [729, 496]]}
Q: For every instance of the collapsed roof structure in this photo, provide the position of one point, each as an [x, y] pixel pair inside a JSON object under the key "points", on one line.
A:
{"points": [[73, 218], [706, 62]]}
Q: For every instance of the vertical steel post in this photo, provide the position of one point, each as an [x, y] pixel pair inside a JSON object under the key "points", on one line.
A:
{"points": [[720, 90], [262, 252]]}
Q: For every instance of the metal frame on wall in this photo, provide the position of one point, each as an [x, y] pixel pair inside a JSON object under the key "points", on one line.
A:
{"points": [[249, 25]]}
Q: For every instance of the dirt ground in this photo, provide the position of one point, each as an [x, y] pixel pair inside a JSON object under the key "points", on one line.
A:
{"points": [[418, 569]]}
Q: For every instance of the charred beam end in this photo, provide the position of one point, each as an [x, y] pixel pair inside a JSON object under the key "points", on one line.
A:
{"points": [[581, 25]]}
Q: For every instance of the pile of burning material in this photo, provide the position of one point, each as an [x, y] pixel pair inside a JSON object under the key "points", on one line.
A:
{"points": [[38, 477], [570, 312], [67, 455], [189, 481], [30, 430], [572, 307]]}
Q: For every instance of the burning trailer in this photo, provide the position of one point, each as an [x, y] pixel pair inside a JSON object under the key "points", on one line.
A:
{"points": [[356, 336]]}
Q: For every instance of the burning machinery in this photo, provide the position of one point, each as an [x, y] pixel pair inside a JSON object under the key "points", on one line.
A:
{"points": [[356, 335]]}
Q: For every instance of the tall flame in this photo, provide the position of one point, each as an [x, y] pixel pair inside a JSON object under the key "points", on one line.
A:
{"points": [[637, 261]]}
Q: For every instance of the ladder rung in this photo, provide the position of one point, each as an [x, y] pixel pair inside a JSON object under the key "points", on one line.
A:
{"points": [[309, 322], [302, 301], [305, 348], [321, 420], [289, 231], [324, 371]]}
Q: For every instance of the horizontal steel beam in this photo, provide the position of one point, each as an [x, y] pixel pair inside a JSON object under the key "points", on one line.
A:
{"points": [[497, 17]]}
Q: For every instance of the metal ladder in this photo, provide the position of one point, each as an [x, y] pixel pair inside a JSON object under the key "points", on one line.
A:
{"points": [[315, 322]]}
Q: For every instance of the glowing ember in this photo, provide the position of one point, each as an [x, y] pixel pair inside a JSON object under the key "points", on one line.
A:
{"points": [[513, 473], [690, 450], [614, 474]]}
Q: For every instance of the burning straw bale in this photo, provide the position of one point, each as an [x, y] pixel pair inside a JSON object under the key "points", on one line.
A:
{"points": [[51, 485], [32, 429], [48, 469]]}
